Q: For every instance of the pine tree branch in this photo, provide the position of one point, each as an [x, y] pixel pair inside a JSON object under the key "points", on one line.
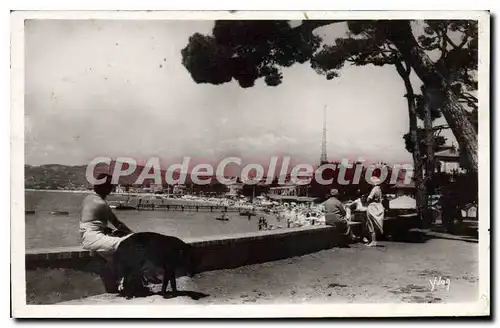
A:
{"points": [[464, 41], [447, 38], [308, 26], [469, 96]]}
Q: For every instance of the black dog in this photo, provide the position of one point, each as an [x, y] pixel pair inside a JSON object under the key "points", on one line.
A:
{"points": [[143, 253]]}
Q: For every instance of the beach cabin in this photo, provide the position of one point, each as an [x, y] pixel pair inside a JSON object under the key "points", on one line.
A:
{"points": [[289, 190], [469, 212]]}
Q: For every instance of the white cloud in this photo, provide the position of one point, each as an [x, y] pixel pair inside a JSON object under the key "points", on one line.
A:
{"points": [[268, 141]]}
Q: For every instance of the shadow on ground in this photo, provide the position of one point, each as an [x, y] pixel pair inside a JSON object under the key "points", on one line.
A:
{"points": [[410, 236], [413, 232], [191, 294], [169, 294], [422, 236]]}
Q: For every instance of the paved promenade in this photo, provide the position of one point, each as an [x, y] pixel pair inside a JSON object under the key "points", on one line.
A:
{"points": [[397, 272]]}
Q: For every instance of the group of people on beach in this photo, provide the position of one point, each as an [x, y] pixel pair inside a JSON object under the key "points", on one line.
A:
{"points": [[263, 223], [337, 214]]}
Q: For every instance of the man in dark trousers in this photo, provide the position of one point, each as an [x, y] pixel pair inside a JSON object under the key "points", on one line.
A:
{"points": [[386, 203], [449, 210]]}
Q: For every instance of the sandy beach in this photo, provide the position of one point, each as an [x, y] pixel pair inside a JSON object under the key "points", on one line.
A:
{"points": [[397, 272]]}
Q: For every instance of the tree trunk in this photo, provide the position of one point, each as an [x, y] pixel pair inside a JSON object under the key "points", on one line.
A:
{"points": [[429, 143], [400, 34], [421, 195], [429, 139]]}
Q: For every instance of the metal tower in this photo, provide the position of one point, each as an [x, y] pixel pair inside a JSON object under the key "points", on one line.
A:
{"points": [[324, 159]]}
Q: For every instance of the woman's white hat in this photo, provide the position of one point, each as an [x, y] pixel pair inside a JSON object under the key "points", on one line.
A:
{"points": [[376, 181]]}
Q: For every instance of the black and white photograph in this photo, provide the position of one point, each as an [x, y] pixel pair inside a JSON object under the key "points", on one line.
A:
{"points": [[250, 164]]}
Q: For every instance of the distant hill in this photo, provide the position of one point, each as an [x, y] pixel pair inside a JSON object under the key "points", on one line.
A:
{"points": [[57, 176]]}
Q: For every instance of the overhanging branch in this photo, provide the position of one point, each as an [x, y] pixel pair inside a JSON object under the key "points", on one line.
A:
{"points": [[308, 26]]}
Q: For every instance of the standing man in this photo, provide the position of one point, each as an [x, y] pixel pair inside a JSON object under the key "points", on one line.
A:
{"points": [[386, 203], [449, 209]]}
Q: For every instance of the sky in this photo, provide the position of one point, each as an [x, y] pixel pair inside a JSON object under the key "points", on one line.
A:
{"points": [[118, 88]]}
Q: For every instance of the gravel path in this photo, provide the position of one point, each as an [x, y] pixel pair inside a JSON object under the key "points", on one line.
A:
{"points": [[397, 272]]}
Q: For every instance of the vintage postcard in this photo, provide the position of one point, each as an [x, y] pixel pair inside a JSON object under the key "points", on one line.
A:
{"points": [[250, 164]]}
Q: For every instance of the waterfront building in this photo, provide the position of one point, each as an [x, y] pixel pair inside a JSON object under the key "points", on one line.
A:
{"points": [[448, 160]]}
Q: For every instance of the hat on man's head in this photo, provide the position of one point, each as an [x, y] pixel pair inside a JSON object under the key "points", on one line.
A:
{"points": [[105, 177]]}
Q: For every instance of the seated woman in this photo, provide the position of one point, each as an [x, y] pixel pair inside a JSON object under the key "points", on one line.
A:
{"points": [[94, 231]]}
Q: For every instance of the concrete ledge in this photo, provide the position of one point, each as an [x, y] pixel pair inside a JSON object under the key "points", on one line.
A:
{"points": [[215, 252], [225, 252], [57, 253]]}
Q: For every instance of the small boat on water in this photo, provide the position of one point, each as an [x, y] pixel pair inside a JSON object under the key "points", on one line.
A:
{"points": [[29, 212], [122, 207], [59, 213], [222, 218]]}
